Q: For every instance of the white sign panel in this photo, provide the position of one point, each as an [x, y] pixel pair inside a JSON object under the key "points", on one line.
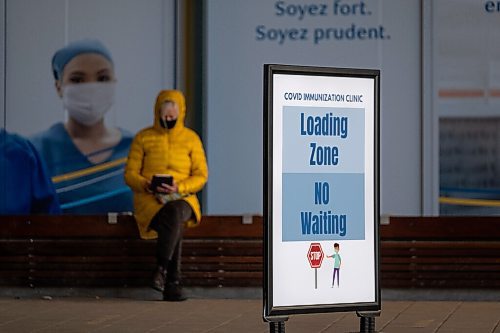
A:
{"points": [[322, 200]]}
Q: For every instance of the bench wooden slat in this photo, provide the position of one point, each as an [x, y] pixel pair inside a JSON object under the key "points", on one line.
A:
{"points": [[129, 266], [44, 226], [449, 284], [66, 226], [442, 244], [441, 260], [440, 268], [440, 228], [458, 276], [451, 253]]}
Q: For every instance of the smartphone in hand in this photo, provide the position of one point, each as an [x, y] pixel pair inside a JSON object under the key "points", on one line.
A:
{"points": [[159, 179]]}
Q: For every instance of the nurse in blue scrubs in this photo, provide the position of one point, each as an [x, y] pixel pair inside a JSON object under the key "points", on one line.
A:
{"points": [[84, 157]]}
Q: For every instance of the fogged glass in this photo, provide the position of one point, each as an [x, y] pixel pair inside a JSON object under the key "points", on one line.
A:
{"points": [[469, 170]]}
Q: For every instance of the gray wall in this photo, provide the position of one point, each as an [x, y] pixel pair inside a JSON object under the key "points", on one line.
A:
{"points": [[235, 58]]}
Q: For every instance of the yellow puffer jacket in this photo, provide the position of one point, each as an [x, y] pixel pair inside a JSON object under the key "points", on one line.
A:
{"points": [[177, 151]]}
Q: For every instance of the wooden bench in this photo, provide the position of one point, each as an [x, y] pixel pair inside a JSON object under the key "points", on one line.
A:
{"points": [[88, 251], [83, 251], [440, 252]]}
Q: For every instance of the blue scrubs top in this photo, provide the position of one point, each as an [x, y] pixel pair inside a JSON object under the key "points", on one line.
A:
{"points": [[25, 186], [82, 186]]}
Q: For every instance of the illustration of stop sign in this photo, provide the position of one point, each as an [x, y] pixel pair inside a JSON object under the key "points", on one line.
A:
{"points": [[315, 255]]}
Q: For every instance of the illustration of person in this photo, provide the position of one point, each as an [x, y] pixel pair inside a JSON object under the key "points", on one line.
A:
{"points": [[337, 262]]}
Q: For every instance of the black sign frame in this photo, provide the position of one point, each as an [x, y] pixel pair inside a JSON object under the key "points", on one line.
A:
{"points": [[277, 313]]}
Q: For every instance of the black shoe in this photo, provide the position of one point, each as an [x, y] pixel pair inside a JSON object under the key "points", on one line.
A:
{"points": [[159, 279], [173, 292]]}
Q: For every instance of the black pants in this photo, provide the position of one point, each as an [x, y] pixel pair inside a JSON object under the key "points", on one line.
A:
{"points": [[169, 224]]}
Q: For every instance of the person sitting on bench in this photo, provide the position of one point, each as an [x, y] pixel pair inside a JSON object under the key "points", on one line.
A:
{"points": [[173, 157]]}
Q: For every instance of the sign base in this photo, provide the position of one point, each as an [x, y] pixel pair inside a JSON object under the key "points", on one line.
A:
{"points": [[276, 324], [367, 320]]}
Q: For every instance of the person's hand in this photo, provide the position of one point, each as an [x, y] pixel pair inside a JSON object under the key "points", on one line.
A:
{"points": [[167, 189], [147, 187]]}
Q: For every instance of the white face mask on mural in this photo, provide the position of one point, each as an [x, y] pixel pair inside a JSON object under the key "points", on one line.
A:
{"points": [[88, 102]]}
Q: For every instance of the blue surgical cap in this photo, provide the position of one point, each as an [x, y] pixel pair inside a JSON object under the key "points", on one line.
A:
{"points": [[64, 55]]}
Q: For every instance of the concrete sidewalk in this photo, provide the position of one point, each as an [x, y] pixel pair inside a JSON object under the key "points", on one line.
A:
{"points": [[96, 314]]}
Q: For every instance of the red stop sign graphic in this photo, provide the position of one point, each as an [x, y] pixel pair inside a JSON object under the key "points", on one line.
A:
{"points": [[315, 255]]}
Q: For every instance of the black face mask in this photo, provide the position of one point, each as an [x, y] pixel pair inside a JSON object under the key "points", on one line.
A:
{"points": [[168, 123]]}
